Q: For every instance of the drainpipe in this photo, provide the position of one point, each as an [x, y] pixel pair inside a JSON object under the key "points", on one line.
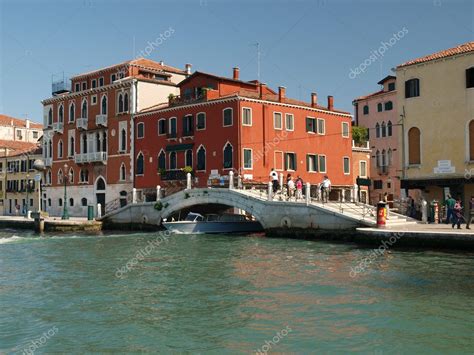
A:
{"points": [[402, 121]]}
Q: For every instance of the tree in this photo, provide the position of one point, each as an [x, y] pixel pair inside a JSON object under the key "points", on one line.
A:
{"points": [[359, 135]]}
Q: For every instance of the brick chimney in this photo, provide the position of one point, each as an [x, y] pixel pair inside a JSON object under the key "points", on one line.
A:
{"points": [[330, 103], [314, 99], [262, 88], [236, 73], [188, 69], [281, 93]]}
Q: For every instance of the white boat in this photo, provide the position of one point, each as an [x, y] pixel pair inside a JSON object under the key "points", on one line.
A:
{"points": [[195, 223]]}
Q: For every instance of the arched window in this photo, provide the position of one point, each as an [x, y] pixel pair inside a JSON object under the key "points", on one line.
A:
{"points": [[471, 140], [377, 130], [97, 141], [48, 177], [188, 158], [123, 140], [71, 146], [173, 127], [60, 176], [103, 107], [50, 117], [120, 103], [72, 112], [379, 107], [388, 105], [50, 149], [228, 160], [60, 149], [71, 175], [84, 175], [140, 164], [71, 202], [366, 109], [384, 158], [60, 202], [125, 102], [389, 128], [377, 158], [84, 202], [201, 159], [100, 184], [173, 161], [104, 141], [122, 172], [414, 146], [61, 114], [84, 109], [389, 157], [162, 160], [84, 143], [384, 130]]}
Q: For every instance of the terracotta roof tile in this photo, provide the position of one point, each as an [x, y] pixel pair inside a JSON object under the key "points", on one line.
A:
{"points": [[17, 122], [17, 147], [462, 48]]}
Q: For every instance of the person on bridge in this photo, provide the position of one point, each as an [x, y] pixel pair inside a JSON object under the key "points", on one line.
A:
{"points": [[325, 188], [274, 178], [299, 188], [291, 188]]}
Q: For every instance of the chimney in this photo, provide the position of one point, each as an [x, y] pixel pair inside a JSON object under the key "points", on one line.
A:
{"points": [[236, 73], [162, 63], [330, 103], [27, 123], [314, 99], [262, 88], [281, 93], [188, 69]]}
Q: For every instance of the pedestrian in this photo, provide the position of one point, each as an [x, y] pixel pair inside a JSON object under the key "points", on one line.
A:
{"points": [[291, 188], [470, 217], [457, 215], [274, 179], [288, 179], [450, 202], [326, 188], [385, 200], [299, 188]]}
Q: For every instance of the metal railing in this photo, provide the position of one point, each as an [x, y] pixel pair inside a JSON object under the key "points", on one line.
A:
{"points": [[90, 157], [101, 120], [58, 126], [81, 123]]}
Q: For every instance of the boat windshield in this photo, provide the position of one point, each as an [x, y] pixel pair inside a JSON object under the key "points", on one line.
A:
{"points": [[192, 217]]}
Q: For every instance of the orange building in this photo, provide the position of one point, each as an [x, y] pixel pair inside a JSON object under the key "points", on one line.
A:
{"points": [[219, 124], [88, 131]]}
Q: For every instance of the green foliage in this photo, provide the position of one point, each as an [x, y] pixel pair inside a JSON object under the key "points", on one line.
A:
{"points": [[186, 195], [158, 206], [161, 171], [188, 169], [359, 135]]}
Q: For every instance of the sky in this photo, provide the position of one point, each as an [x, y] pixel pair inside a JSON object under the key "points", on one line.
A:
{"points": [[322, 46]]}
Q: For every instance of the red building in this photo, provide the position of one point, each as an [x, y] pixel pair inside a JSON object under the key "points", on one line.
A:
{"points": [[219, 124], [88, 131]]}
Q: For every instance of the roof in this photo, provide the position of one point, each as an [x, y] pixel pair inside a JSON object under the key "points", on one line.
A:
{"points": [[217, 77], [17, 122], [371, 95], [16, 148], [461, 49], [387, 78]]}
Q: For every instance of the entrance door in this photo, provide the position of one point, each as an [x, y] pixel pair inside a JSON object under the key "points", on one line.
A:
{"points": [[100, 189], [101, 199]]}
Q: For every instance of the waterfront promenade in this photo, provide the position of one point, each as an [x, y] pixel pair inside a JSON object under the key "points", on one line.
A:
{"points": [[55, 224]]}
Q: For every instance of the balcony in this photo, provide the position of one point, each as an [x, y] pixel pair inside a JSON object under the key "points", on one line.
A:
{"points": [[81, 123], [58, 127], [101, 120], [92, 157], [48, 161]]}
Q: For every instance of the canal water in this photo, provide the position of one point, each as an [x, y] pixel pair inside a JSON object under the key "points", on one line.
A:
{"points": [[130, 293]]}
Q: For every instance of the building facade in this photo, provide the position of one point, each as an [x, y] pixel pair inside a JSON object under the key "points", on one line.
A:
{"points": [[361, 162], [220, 124], [378, 113], [88, 141], [15, 129], [436, 102]]}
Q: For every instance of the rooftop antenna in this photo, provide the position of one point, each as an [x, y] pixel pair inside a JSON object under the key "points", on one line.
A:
{"points": [[133, 55], [258, 59]]}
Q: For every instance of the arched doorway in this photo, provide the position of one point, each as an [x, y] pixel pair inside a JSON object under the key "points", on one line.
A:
{"points": [[100, 188]]}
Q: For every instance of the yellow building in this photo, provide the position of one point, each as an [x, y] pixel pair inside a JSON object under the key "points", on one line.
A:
{"points": [[436, 106], [19, 182]]}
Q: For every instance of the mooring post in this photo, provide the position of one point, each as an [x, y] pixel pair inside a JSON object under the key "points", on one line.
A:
{"points": [[134, 195], [231, 180], [308, 193], [158, 192], [239, 182], [188, 181], [343, 197], [270, 186], [99, 210], [281, 182], [424, 211]]}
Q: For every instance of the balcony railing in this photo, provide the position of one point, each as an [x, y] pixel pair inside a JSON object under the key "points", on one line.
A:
{"points": [[101, 120], [58, 127], [81, 123], [48, 161], [91, 157]]}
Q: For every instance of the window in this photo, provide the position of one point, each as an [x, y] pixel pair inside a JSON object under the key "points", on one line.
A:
{"points": [[246, 116], [49, 178], [84, 109], [173, 161], [471, 140], [188, 127], [140, 130], [384, 158], [389, 157], [173, 128], [227, 117], [391, 86], [84, 202], [122, 172], [94, 83], [60, 149], [188, 158], [378, 184], [125, 102], [384, 129], [60, 202], [140, 164], [346, 165], [77, 87], [123, 140], [101, 81], [61, 114], [311, 125], [71, 175], [290, 161], [321, 126], [103, 106], [201, 121], [470, 78], [366, 110], [312, 163], [72, 112], [93, 99], [113, 77], [84, 175], [60, 176], [71, 146], [322, 163], [248, 160], [379, 107], [35, 134], [84, 86], [161, 126], [412, 88], [278, 160], [228, 156], [414, 146], [50, 117], [389, 128], [377, 158], [49, 202], [120, 103], [201, 159], [388, 105], [277, 123], [71, 202], [363, 168], [162, 160], [290, 122], [345, 129], [377, 130]]}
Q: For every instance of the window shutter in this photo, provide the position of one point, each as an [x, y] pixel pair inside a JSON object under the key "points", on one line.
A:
{"points": [[184, 125], [308, 157], [316, 163], [191, 123], [286, 161], [308, 124], [296, 162], [407, 89]]}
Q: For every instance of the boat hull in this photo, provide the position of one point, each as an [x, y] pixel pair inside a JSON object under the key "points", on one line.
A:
{"points": [[187, 227]]}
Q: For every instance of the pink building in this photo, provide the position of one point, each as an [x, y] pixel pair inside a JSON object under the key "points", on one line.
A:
{"points": [[378, 113]]}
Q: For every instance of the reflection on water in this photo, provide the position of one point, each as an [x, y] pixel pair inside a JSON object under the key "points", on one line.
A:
{"points": [[212, 293]]}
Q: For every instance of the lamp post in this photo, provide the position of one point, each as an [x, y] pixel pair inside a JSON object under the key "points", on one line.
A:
{"points": [[27, 195], [39, 166], [65, 179]]}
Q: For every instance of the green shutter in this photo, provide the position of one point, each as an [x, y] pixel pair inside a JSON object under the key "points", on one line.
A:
{"points": [[308, 124]]}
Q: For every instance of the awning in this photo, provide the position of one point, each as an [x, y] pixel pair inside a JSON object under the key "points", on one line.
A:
{"points": [[179, 147]]}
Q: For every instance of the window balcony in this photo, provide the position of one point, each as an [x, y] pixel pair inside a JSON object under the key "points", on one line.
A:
{"points": [[92, 157], [81, 123], [48, 161], [101, 120], [58, 127]]}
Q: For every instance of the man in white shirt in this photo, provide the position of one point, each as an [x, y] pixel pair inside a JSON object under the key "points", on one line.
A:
{"points": [[274, 178], [325, 188]]}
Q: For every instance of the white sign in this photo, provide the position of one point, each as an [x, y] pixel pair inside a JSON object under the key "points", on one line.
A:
{"points": [[38, 177], [444, 167]]}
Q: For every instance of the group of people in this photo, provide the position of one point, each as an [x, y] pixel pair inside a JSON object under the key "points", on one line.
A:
{"points": [[454, 212], [296, 185]]}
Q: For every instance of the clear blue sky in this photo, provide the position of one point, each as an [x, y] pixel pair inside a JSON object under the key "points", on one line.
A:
{"points": [[306, 45]]}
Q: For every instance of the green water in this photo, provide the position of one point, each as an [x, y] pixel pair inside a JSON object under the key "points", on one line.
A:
{"points": [[225, 294]]}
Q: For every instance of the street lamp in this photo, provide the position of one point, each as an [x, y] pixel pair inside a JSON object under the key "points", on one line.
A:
{"points": [[65, 179], [27, 195], [39, 166]]}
